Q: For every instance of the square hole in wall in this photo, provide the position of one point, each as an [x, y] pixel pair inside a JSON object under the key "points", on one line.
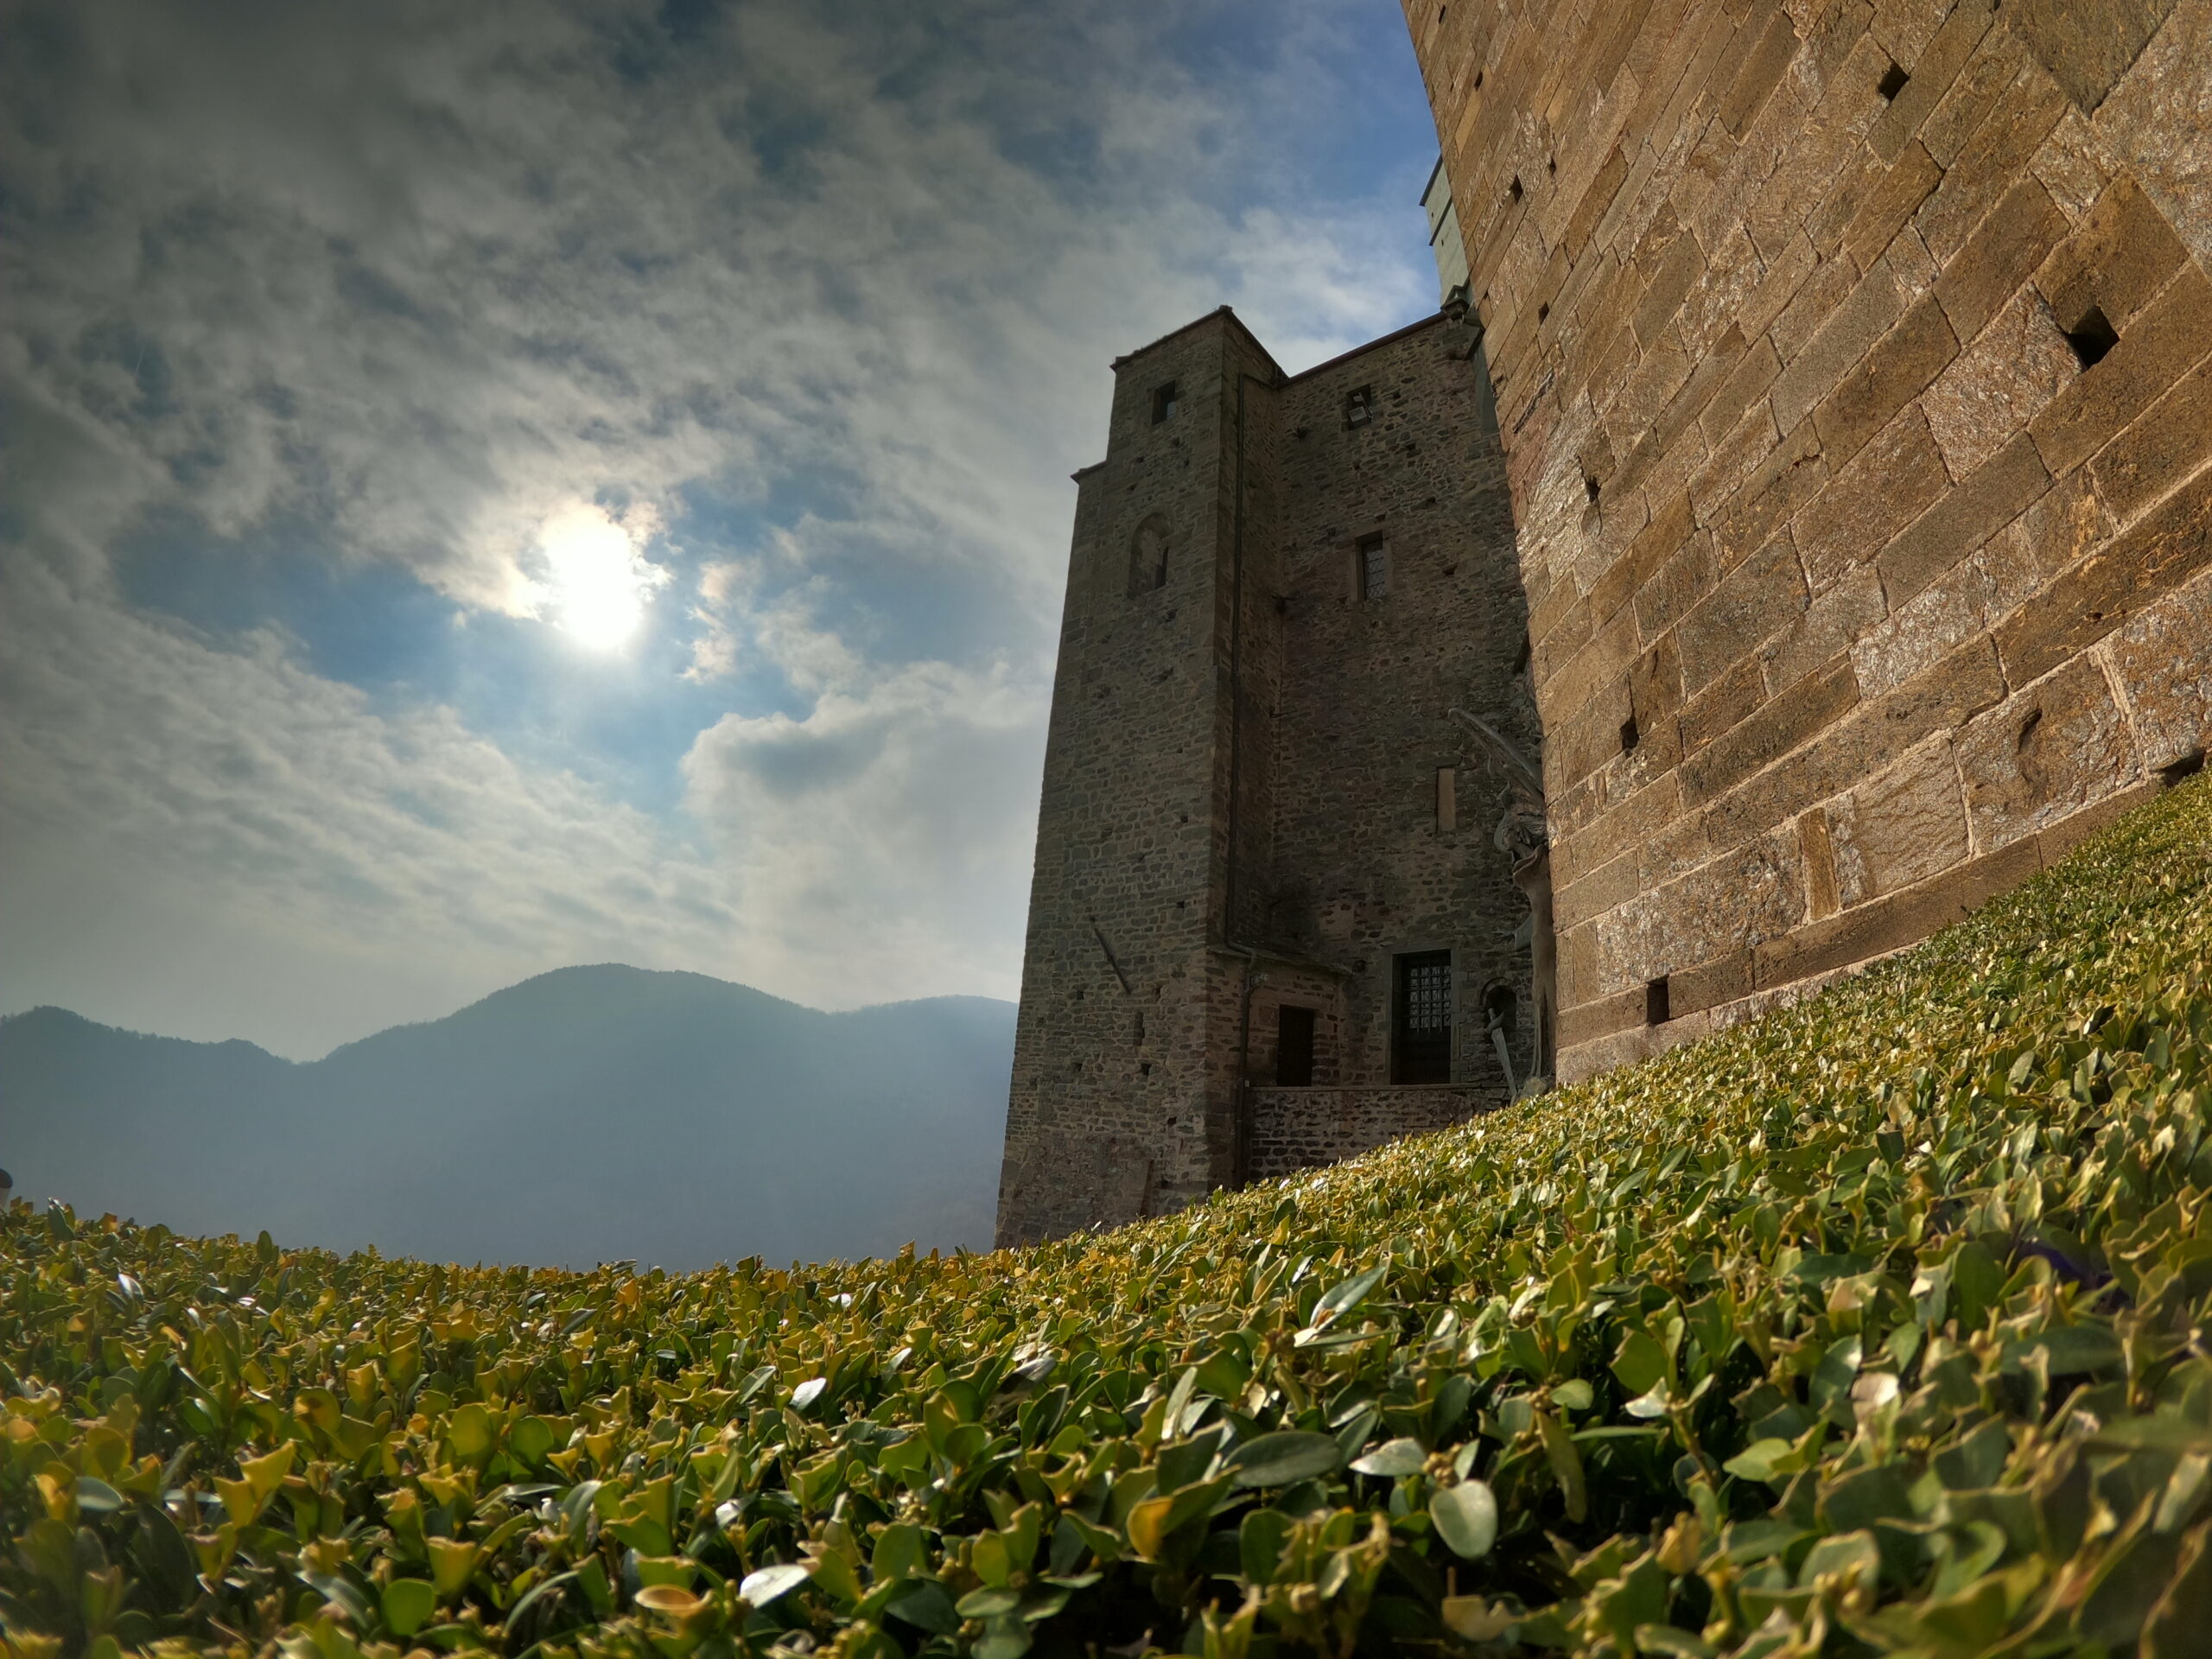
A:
{"points": [[1656, 1011], [2092, 338], [1892, 82]]}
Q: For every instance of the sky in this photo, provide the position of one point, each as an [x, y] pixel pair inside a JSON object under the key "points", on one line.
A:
{"points": [[486, 488]]}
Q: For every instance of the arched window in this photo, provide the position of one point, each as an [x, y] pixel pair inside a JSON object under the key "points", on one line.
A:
{"points": [[1149, 558]]}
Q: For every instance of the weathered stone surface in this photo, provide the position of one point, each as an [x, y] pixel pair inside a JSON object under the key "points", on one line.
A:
{"points": [[1781, 724], [2095, 595], [2167, 442], [1890, 205], [1849, 334], [1891, 482], [2160, 343], [2158, 122], [1752, 893], [1985, 500], [2086, 47], [2044, 752], [1999, 385], [2005, 251], [2123, 254], [2163, 661], [1900, 827], [1829, 628], [1751, 605], [1890, 375], [1304, 1129]]}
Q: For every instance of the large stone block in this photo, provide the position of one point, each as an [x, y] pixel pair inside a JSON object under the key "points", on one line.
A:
{"points": [[1900, 827], [2158, 122], [2088, 44], [2003, 253], [1888, 485], [1995, 493], [2091, 598], [2043, 754], [1999, 384], [1751, 605], [2122, 256], [2166, 444], [1897, 370], [2163, 660]]}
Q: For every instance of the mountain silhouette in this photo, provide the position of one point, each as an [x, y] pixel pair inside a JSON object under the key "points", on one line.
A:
{"points": [[589, 1114]]}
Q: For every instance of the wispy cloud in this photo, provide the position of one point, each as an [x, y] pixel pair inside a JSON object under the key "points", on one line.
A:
{"points": [[811, 308]]}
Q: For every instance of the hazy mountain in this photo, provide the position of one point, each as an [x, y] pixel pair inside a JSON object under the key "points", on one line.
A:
{"points": [[593, 1114]]}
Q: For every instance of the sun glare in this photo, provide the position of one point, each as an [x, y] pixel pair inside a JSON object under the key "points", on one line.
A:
{"points": [[596, 582]]}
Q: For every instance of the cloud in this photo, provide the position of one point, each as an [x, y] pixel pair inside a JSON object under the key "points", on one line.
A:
{"points": [[786, 323], [898, 823]]}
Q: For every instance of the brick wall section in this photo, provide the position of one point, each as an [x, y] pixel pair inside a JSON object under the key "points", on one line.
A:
{"points": [[1898, 583], [1239, 812], [1304, 1129]]}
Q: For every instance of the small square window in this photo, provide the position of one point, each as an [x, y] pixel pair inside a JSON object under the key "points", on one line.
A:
{"points": [[1359, 406], [1373, 555], [1163, 403]]}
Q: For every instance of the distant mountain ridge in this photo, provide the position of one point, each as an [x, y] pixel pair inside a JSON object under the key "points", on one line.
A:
{"points": [[589, 1114]]}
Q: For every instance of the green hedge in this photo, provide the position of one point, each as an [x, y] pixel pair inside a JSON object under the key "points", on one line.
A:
{"points": [[1873, 1327]]}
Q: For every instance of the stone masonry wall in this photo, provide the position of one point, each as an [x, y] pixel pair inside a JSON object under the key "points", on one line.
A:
{"points": [[1107, 1118], [1362, 868], [1853, 367], [1304, 1129], [1239, 805]]}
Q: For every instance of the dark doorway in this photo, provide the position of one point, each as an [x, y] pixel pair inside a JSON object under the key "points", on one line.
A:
{"points": [[1293, 1047], [1420, 1021]]}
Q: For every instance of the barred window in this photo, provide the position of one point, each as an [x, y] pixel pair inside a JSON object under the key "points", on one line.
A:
{"points": [[1420, 1046], [1374, 555]]}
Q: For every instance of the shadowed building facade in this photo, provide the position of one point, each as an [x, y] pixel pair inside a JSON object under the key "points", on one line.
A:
{"points": [[1274, 920]]}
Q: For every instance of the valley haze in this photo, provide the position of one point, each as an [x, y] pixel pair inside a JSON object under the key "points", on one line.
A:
{"points": [[588, 1115]]}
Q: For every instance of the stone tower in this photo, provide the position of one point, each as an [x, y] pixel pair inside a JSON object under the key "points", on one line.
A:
{"points": [[1273, 918]]}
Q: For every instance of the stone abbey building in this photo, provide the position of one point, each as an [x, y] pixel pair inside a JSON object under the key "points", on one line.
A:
{"points": [[1812, 476]]}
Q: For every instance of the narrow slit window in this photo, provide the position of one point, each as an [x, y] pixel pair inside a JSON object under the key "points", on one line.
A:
{"points": [[1149, 559], [1657, 1009], [1631, 734], [1420, 1045], [1293, 1047], [1447, 803], [1359, 406], [1373, 555], [1163, 403]]}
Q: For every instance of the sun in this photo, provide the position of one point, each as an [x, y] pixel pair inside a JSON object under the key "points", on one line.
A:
{"points": [[597, 584]]}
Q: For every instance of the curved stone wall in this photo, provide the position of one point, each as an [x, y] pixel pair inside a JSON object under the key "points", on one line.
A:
{"points": [[1852, 365]]}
